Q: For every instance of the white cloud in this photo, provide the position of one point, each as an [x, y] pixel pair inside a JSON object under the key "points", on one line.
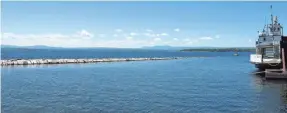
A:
{"points": [[85, 33], [157, 39], [75, 40], [155, 34], [177, 30], [115, 35], [167, 43], [82, 39], [186, 40], [217, 36], [195, 41], [102, 35], [8, 35], [129, 38], [148, 30], [190, 42], [150, 35], [206, 38], [164, 34], [146, 34], [133, 34], [249, 40], [39, 36], [72, 40], [36, 39], [119, 30]]}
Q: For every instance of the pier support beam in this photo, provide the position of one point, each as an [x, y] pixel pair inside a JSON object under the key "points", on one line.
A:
{"points": [[283, 60]]}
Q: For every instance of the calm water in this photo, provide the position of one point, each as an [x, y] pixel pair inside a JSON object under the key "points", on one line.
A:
{"points": [[12, 53], [217, 84]]}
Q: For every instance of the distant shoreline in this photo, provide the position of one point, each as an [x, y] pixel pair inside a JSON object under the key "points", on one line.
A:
{"points": [[220, 50]]}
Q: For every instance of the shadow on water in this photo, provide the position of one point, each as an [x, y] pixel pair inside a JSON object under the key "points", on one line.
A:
{"points": [[50, 65], [30, 66], [281, 84], [258, 73]]}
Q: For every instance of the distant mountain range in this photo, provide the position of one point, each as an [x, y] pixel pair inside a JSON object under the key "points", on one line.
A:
{"points": [[30, 47], [45, 47]]}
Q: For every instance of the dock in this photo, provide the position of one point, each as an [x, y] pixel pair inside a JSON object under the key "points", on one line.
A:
{"points": [[278, 73], [67, 61], [275, 74]]}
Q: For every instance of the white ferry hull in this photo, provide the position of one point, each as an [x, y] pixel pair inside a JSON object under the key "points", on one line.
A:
{"points": [[263, 64]]}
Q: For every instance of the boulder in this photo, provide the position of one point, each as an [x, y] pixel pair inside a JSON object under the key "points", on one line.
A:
{"points": [[25, 62]]}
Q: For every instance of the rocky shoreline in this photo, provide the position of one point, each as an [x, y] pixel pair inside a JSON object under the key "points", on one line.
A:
{"points": [[67, 61]]}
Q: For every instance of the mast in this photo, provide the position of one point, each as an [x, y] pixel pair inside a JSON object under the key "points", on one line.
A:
{"points": [[271, 15]]}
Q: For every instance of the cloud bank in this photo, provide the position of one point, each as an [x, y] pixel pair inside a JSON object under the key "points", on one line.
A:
{"points": [[118, 39]]}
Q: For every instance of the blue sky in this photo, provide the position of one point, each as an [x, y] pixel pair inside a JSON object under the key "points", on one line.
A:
{"points": [[136, 24]]}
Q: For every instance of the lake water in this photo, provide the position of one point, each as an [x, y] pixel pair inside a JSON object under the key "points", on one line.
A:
{"points": [[220, 83], [12, 53]]}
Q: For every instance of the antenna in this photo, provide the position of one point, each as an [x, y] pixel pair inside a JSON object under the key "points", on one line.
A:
{"points": [[265, 25], [265, 20], [271, 14]]}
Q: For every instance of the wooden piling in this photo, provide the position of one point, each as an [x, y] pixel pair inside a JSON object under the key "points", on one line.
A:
{"points": [[283, 60]]}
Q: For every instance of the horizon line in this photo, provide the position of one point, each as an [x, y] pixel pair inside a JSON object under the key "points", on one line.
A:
{"points": [[131, 47]]}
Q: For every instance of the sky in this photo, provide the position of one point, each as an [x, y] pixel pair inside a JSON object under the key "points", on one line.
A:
{"points": [[136, 24]]}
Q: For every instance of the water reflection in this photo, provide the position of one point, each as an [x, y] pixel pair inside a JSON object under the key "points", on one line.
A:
{"points": [[284, 93], [30, 66], [284, 97], [46, 65], [269, 89], [57, 65]]}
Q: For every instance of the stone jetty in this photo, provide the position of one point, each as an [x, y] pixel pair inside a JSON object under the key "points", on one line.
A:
{"points": [[66, 61]]}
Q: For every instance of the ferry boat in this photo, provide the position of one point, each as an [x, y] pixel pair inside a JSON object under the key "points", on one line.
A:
{"points": [[269, 46]]}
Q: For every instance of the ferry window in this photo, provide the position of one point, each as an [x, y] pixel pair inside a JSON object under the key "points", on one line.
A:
{"points": [[268, 52], [264, 39]]}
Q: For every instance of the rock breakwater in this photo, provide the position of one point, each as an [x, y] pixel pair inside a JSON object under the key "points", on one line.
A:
{"points": [[66, 61]]}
